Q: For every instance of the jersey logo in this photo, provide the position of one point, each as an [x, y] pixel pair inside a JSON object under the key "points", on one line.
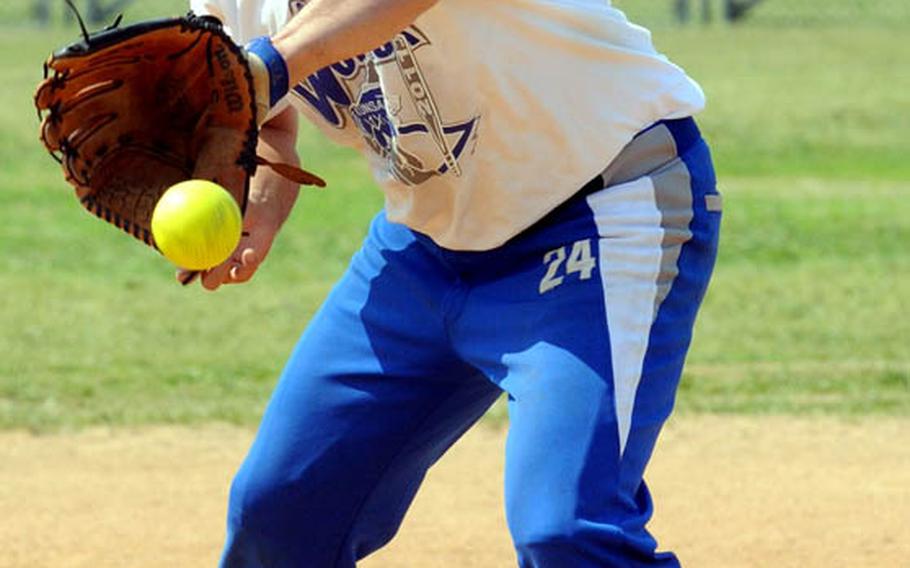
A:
{"points": [[406, 130], [326, 90]]}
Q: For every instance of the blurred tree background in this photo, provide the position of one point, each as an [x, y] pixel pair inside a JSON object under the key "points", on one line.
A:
{"points": [[784, 13], [648, 12], [95, 12]]}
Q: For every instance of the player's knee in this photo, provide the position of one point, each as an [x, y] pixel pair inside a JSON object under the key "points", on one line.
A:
{"points": [[257, 502], [270, 524], [545, 529], [263, 528], [536, 536], [545, 548], [554, 536]]}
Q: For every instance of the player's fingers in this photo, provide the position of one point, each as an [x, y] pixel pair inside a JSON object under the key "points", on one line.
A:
{"points": [[215, 277], [249, 262]]}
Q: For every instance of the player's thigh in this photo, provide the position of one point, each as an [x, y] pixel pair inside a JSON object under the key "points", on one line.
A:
{"points": [[590, 344]]}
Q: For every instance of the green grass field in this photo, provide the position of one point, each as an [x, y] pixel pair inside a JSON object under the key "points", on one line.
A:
{"points": [[807, 313]]}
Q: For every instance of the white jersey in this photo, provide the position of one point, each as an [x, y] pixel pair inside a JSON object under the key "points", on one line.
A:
{"points": [[484, 115]]}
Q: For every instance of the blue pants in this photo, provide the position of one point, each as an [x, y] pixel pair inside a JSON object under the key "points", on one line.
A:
{"points": [[583, 320]]}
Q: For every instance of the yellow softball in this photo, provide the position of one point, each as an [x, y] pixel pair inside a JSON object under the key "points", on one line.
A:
{"points": [[196, 224]]}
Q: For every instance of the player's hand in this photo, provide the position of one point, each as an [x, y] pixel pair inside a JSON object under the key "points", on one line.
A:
{"points": [[270, 201], [260, 226]]}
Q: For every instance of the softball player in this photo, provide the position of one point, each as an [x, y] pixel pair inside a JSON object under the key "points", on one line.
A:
{"points": [[549, 230]]}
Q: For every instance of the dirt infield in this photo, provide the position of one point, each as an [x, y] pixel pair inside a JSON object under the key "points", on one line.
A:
{"points": [[730, 492]]}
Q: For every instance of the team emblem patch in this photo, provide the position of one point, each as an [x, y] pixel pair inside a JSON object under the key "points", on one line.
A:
{"points": [[390, 100]]}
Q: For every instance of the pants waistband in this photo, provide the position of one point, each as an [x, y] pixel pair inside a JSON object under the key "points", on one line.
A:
{"points": [[657, 144]]}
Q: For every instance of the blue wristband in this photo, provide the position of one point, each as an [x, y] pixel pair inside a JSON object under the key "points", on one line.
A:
{"points": [[274, 62]]}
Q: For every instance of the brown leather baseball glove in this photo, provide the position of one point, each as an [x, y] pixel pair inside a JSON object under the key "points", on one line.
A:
{"points": [[130, 111]]}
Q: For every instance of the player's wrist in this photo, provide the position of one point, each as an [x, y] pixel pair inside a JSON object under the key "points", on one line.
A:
{"points": [[271, 80]]}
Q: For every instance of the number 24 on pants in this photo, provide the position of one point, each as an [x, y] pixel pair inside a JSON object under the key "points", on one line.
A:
{"points": [[561, 264]]}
